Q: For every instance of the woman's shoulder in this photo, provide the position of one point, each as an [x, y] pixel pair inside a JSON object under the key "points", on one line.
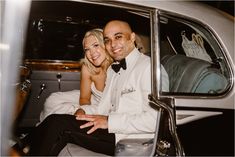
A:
{"points": [[85, 71]]}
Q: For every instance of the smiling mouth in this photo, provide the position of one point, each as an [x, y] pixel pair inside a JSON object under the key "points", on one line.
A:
{"points": [[95, 58], [116, 50]]}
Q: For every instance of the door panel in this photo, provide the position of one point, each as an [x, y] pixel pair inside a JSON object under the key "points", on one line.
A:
{"points": [[43, 84], [200, 81]]}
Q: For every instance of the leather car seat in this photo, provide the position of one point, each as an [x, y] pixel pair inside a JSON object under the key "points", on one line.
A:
{"points": [[191, 75]]}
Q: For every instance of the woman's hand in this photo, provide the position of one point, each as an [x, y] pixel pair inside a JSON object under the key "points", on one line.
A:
{"points": [[97, 121], [79, 112]]}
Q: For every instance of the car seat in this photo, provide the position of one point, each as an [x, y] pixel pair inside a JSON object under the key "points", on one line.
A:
{"points": [[191, 75]]}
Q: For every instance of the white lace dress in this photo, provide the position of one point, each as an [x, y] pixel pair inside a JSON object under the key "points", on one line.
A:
{"points": [[67, 102]]}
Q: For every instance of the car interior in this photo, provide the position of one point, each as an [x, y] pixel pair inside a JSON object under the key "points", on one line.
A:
{"points": [[53, 49], [189, 73]]}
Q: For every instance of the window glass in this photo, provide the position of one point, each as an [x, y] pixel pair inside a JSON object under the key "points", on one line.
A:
{"points": [[53, 40], [56, 28], [192, 58]]}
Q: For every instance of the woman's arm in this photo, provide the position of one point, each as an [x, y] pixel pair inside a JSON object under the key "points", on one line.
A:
{"points": [[85, 86]]}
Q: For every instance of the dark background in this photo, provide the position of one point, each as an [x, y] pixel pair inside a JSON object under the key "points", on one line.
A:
{"points": [[227, 6]]}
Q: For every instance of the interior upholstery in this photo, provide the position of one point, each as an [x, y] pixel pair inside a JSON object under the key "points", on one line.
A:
{"points": [[190, 75]]}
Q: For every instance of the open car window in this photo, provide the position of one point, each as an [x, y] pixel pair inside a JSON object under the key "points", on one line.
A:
{"points": [[193, 58]]}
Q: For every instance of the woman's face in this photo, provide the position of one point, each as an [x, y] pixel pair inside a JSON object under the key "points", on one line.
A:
{"points": [[94, 51]]}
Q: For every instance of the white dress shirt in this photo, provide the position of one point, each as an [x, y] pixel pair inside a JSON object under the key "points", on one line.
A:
{"points": [[125, 99]]}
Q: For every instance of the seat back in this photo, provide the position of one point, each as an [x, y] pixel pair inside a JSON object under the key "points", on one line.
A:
{"points": [[191, 75]]}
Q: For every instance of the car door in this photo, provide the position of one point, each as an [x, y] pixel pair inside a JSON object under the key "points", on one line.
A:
{"points": [[13, 17], [198, 109]]}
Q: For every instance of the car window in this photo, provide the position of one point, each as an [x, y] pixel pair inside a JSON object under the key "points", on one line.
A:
{"points": [[56, 28], [53, 40], [192, 58]]}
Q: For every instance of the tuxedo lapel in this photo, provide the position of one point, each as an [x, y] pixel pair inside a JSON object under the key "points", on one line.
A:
{"points": [[124, 78]]}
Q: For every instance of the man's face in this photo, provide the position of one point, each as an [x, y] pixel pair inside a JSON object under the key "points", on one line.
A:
{"points": [[118, 39]]}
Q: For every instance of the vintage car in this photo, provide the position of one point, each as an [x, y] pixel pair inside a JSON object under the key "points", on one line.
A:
{"points": [[41, 48]]}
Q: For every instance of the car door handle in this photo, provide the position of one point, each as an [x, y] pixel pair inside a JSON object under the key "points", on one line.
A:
{"points": [[59, 76], [42, 88]]}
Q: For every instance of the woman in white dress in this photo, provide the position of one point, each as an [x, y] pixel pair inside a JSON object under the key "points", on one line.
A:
{"points": [[92, 81]]}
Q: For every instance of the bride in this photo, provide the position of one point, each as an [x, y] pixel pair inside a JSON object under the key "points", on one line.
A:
{"points": [[92, 81]]}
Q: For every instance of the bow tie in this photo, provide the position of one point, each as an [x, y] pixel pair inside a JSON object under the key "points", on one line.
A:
{"points": [[118, 66]]}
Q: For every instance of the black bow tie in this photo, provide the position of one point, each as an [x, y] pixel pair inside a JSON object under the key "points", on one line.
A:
{"points": [[118, 66]]}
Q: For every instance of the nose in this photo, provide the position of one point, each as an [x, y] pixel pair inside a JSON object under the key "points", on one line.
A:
{"points": [[113, 43], [92, 51]]}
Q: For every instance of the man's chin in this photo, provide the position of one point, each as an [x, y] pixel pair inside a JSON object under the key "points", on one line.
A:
{"points": [[117, 58]]}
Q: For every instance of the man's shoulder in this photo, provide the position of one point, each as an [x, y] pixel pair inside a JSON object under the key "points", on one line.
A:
{"points": [[143, 63], [144, 59]]}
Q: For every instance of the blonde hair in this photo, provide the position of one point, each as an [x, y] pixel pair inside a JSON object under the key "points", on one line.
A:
{"points": [[98, 34]]}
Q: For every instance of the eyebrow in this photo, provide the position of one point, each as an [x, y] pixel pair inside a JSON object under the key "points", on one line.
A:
{"points": [[96, 42], [119, 33]]}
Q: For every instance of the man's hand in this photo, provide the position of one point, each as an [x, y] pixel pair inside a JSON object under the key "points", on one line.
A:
{"points": [[79, 112], [97, 121]]}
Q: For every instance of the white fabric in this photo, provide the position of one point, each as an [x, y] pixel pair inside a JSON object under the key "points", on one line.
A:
{"points": [[130, 116], [75, 150], [67, 102], [195, 48]]}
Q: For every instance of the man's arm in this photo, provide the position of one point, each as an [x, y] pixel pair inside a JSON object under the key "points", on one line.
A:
{"points": [[124, 123]]}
